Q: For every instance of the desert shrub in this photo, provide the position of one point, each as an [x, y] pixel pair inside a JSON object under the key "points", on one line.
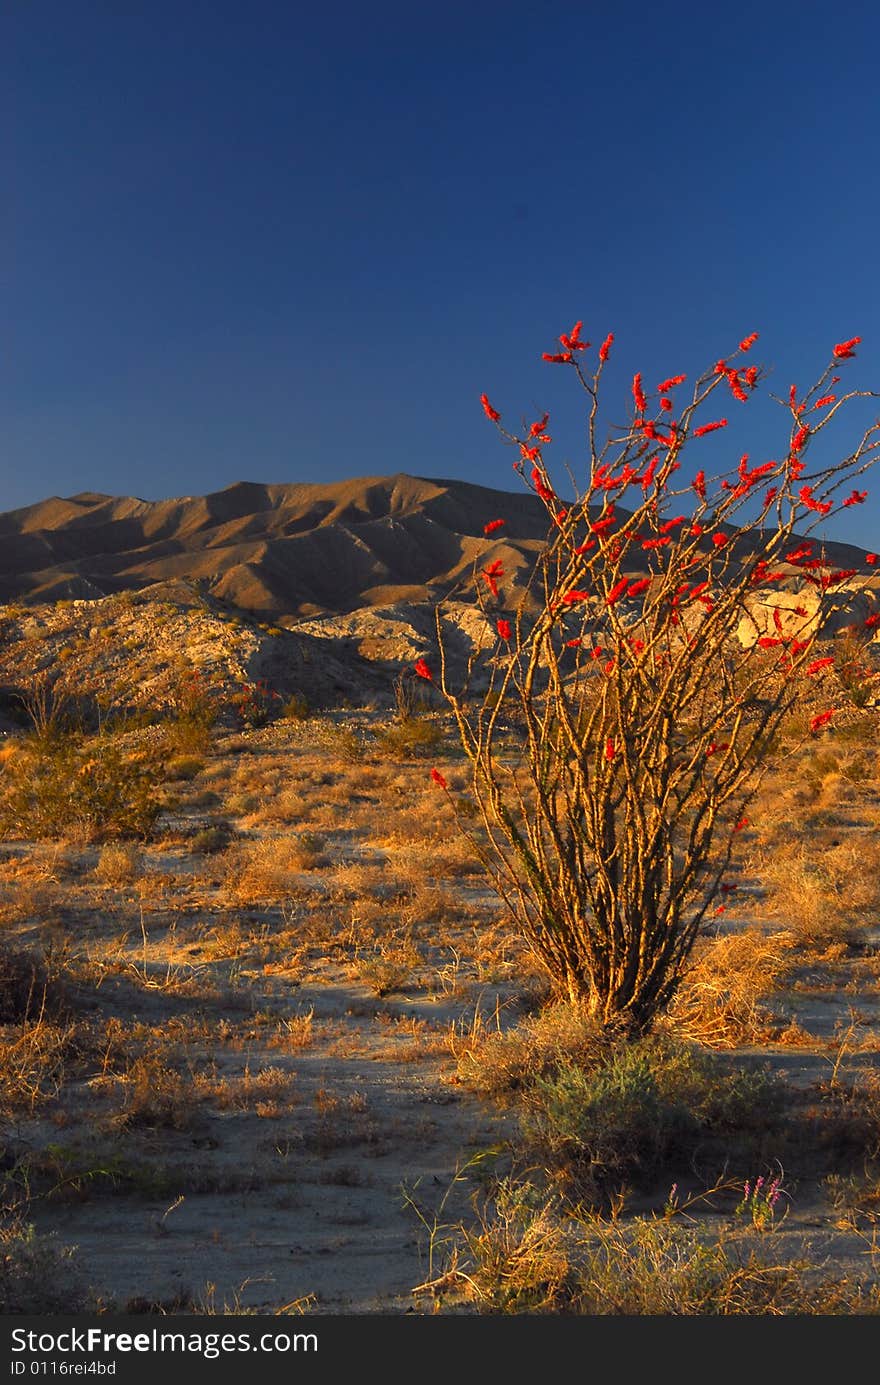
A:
{"points": [[211, 839], [650, 1102], [822, 897], [344, 742], [648, 720], [500, 1062], [412, 739], [26, 988], [35, 1034], [296, 708], [184, 767], [83, 790], [37, 1275], [255, 704], [269, 869]]}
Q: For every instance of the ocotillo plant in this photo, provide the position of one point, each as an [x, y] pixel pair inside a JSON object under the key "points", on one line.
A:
{"points": [[645, 721]]}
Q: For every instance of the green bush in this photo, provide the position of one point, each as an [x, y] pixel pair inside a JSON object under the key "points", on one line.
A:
{"points": [[650, 1102], [86, 790], [36, 1274], [411, 739]]}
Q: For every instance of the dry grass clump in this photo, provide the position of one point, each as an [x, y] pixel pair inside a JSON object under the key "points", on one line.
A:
{"points": [[388, 966], [33, 1057], [271, 868], [119, 863], [825, 893], [500, 1062], [526, 1254], [721, 1000], [155, 1095], [268, 1092]]}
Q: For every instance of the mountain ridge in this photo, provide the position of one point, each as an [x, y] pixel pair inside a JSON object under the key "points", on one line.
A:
{"points": [[289, 550]]}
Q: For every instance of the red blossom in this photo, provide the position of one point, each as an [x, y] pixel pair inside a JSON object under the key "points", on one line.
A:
{"points": [[800, 438], [751, 376], [699, 484], [641, 402], [438, 778], [857, 498], [821, 719], [743, 822], [844, 349], [571, 341], [709, 427], [605, 348], [656, 543], [671, 383], [648, 474], [561, 358], [488, 410], [423, 670], [609, 749], [541, 488], [719, 540], [638, 587], [503, 628], [715, 748], [818, 664], [825, 400], [572, 597], [870, 559], [493, 525], [821, 507], [748, 342], [617, 591], [736, 388], [666, 404], [538, 428], [770, 496]]}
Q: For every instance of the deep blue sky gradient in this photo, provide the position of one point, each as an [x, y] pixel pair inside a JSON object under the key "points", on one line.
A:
{"points": [[292, 242]]}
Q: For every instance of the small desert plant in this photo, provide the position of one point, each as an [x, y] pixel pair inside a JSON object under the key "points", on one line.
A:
{"points": [[414, 738], [38, 1276], [255, 704], [119, 863], [296, 708]]}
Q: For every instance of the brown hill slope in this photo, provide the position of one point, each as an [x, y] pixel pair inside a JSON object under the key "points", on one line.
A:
{"points": [[284, 550], [281, 549]]}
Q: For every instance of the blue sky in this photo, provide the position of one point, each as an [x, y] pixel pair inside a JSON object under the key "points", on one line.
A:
{"points": [[287, 242]]}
